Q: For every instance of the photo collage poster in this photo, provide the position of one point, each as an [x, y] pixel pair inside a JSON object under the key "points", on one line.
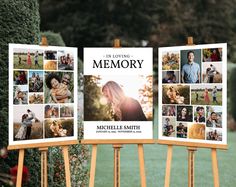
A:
{"points": [[193, 93], [118, 93], [42, 94]]}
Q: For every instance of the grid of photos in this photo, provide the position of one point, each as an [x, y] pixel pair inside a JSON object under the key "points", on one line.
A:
{"points": [[43, 87], [192, 90]]}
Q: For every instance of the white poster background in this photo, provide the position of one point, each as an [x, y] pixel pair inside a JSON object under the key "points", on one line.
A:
{"points": [[146, 54], [224, 92]]}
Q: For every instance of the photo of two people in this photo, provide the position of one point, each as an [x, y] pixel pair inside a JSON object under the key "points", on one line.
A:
{"points": [[27, 122], [59, 87]]}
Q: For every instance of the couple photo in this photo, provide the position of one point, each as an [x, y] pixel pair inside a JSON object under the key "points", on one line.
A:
{"points": [[25, 129], [175, 94]]}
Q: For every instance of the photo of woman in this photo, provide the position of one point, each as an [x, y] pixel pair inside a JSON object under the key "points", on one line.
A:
{"points": [[184, 113], [126, 98], [124, 108]]}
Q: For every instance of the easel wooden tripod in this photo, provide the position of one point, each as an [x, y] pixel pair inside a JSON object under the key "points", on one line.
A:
{"points": [[117, 145], [192, 148], [43, 147]]}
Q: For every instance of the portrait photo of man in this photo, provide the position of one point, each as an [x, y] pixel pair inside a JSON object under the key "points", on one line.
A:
{"points": [[190, 66]]}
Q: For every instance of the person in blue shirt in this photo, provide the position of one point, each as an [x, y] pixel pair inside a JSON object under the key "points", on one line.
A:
{"points": [[190, 71]]}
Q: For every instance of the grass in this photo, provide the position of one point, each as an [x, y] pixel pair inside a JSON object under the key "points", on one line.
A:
{"points": [[155, 162]]}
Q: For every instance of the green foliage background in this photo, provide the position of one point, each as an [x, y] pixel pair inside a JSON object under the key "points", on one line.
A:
{"points": [[19, 24]]}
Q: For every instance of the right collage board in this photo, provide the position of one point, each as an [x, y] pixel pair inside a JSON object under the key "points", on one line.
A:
{"points": [[193, 93]]}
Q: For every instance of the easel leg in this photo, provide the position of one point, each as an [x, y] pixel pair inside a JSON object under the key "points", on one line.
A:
{"points": [[141, 165], [191, 152], [117, 165], [168, 165], [44, 167], [215, 168], [67, 165], [20, 167], [93, 166]]}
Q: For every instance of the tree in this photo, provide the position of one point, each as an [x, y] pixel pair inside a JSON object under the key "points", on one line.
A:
{"points": [[19, 22]]}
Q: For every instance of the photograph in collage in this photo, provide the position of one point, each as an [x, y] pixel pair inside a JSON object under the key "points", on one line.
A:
{"points": [[58, 87], [170, 77], [20, 95], [185, 113], [28, 122], [58, 128], [168, 110], [65, 60], [36, 98], [50, 60], [28, 58], [20, 77], [214, 134], [35, 81], [208, 94], [212, 55], [176, 94], [199, 114], [51, 111], [182, 130], [196, 131], [191, 66], [42, 101], [214, 116], [170, 60], [169, 126], [212, 72]]}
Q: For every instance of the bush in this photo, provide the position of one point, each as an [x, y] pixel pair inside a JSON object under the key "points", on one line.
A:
{"points": [[19, 22], [54, 39]]}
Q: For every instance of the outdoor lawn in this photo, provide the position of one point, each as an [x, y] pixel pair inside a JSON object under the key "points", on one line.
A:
{"points": [[155, 162]]}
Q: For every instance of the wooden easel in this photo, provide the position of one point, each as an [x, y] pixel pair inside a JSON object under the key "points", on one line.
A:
{"points": [[117, 145], [43, 147], [192, 148]]}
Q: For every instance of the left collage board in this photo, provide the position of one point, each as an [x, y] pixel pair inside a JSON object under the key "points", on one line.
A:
{"points": [[42, 94]]}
